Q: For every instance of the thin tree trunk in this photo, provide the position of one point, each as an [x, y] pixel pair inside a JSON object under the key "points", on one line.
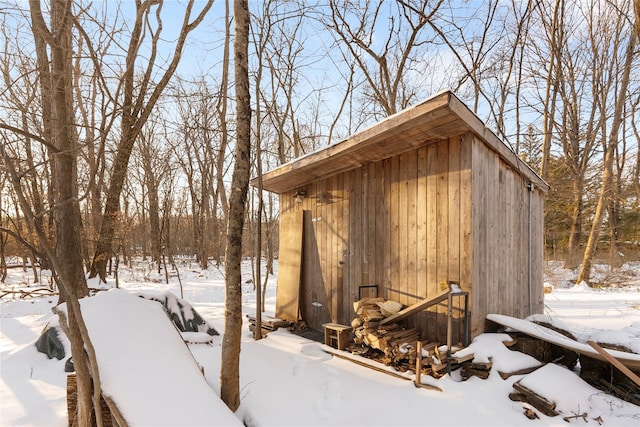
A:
{"points": [[552, 87], [67, 212], [615, 259], [636, 7], [57, 101], [220, 195], [3, 240], [575, 233], [230, 363]]}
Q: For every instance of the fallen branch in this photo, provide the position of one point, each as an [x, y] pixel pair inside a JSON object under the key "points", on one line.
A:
{"points": [[505, 375], [583, 416], [38, 292], [32, 293]]}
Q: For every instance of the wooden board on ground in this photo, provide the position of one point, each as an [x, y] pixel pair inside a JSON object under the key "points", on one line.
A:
{"points": [[148, 375], [419, 306], [269, 323], [630, 360], [290, 266]]}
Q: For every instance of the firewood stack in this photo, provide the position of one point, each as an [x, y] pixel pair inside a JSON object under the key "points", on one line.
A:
{"points": [[396, 343], [397, 346]]}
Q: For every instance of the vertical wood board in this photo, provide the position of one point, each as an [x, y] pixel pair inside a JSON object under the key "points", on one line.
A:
{"points": [[290, 265]]}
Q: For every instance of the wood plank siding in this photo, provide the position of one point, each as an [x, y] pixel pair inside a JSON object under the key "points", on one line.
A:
{"points": [[427, 196], [448, 211]]}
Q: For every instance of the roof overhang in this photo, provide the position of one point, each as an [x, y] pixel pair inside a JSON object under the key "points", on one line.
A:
{"points": [[440, 117]]}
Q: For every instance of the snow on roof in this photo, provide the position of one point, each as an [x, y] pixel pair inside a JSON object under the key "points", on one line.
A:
{"points": [[439, 117]]}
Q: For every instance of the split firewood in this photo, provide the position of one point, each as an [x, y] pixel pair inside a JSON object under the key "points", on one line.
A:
{"points": [[468, 372], [389, 308], [541, 403], [369, 314], [530, 413], [460, 359], [439, 367], [438, 355], [510, 343], [366, 303], [524, 371], [428, 348], [484, 366], [517, 397]]}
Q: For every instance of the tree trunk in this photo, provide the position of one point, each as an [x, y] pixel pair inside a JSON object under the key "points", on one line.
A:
{"points": [[70, 272], [67, 212], [613, 215], [230, 364], [636, 7], [204, 220], [3, 239], [147, 152], [552, 86], [575, 234], [220, 194]]}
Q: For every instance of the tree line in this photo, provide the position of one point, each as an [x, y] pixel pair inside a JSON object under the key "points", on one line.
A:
{"points": [[127, 129]]}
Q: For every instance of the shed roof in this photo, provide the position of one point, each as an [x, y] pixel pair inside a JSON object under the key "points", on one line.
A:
{"points": [[439, 117]]}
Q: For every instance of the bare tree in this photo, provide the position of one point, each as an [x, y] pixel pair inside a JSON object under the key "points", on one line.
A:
{"points": [[573, 47], [230, 363], [612, 144], [385, 63], [21, 96], [204, 140], [153, 157], [471, 50], [555, 40], [54, 52], [139, 96]]}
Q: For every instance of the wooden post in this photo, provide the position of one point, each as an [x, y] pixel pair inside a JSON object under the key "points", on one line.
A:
{"points": [[418, 364]]}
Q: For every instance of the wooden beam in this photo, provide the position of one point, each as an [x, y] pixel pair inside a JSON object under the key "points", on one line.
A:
{"points": [[381, 370], [615, 362], [419, 306], [367, 365]]}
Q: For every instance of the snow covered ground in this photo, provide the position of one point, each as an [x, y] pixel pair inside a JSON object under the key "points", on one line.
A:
{"points": [[288, 380]]}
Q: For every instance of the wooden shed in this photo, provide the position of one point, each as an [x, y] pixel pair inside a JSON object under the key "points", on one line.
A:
{"points": [[426, 196]]}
